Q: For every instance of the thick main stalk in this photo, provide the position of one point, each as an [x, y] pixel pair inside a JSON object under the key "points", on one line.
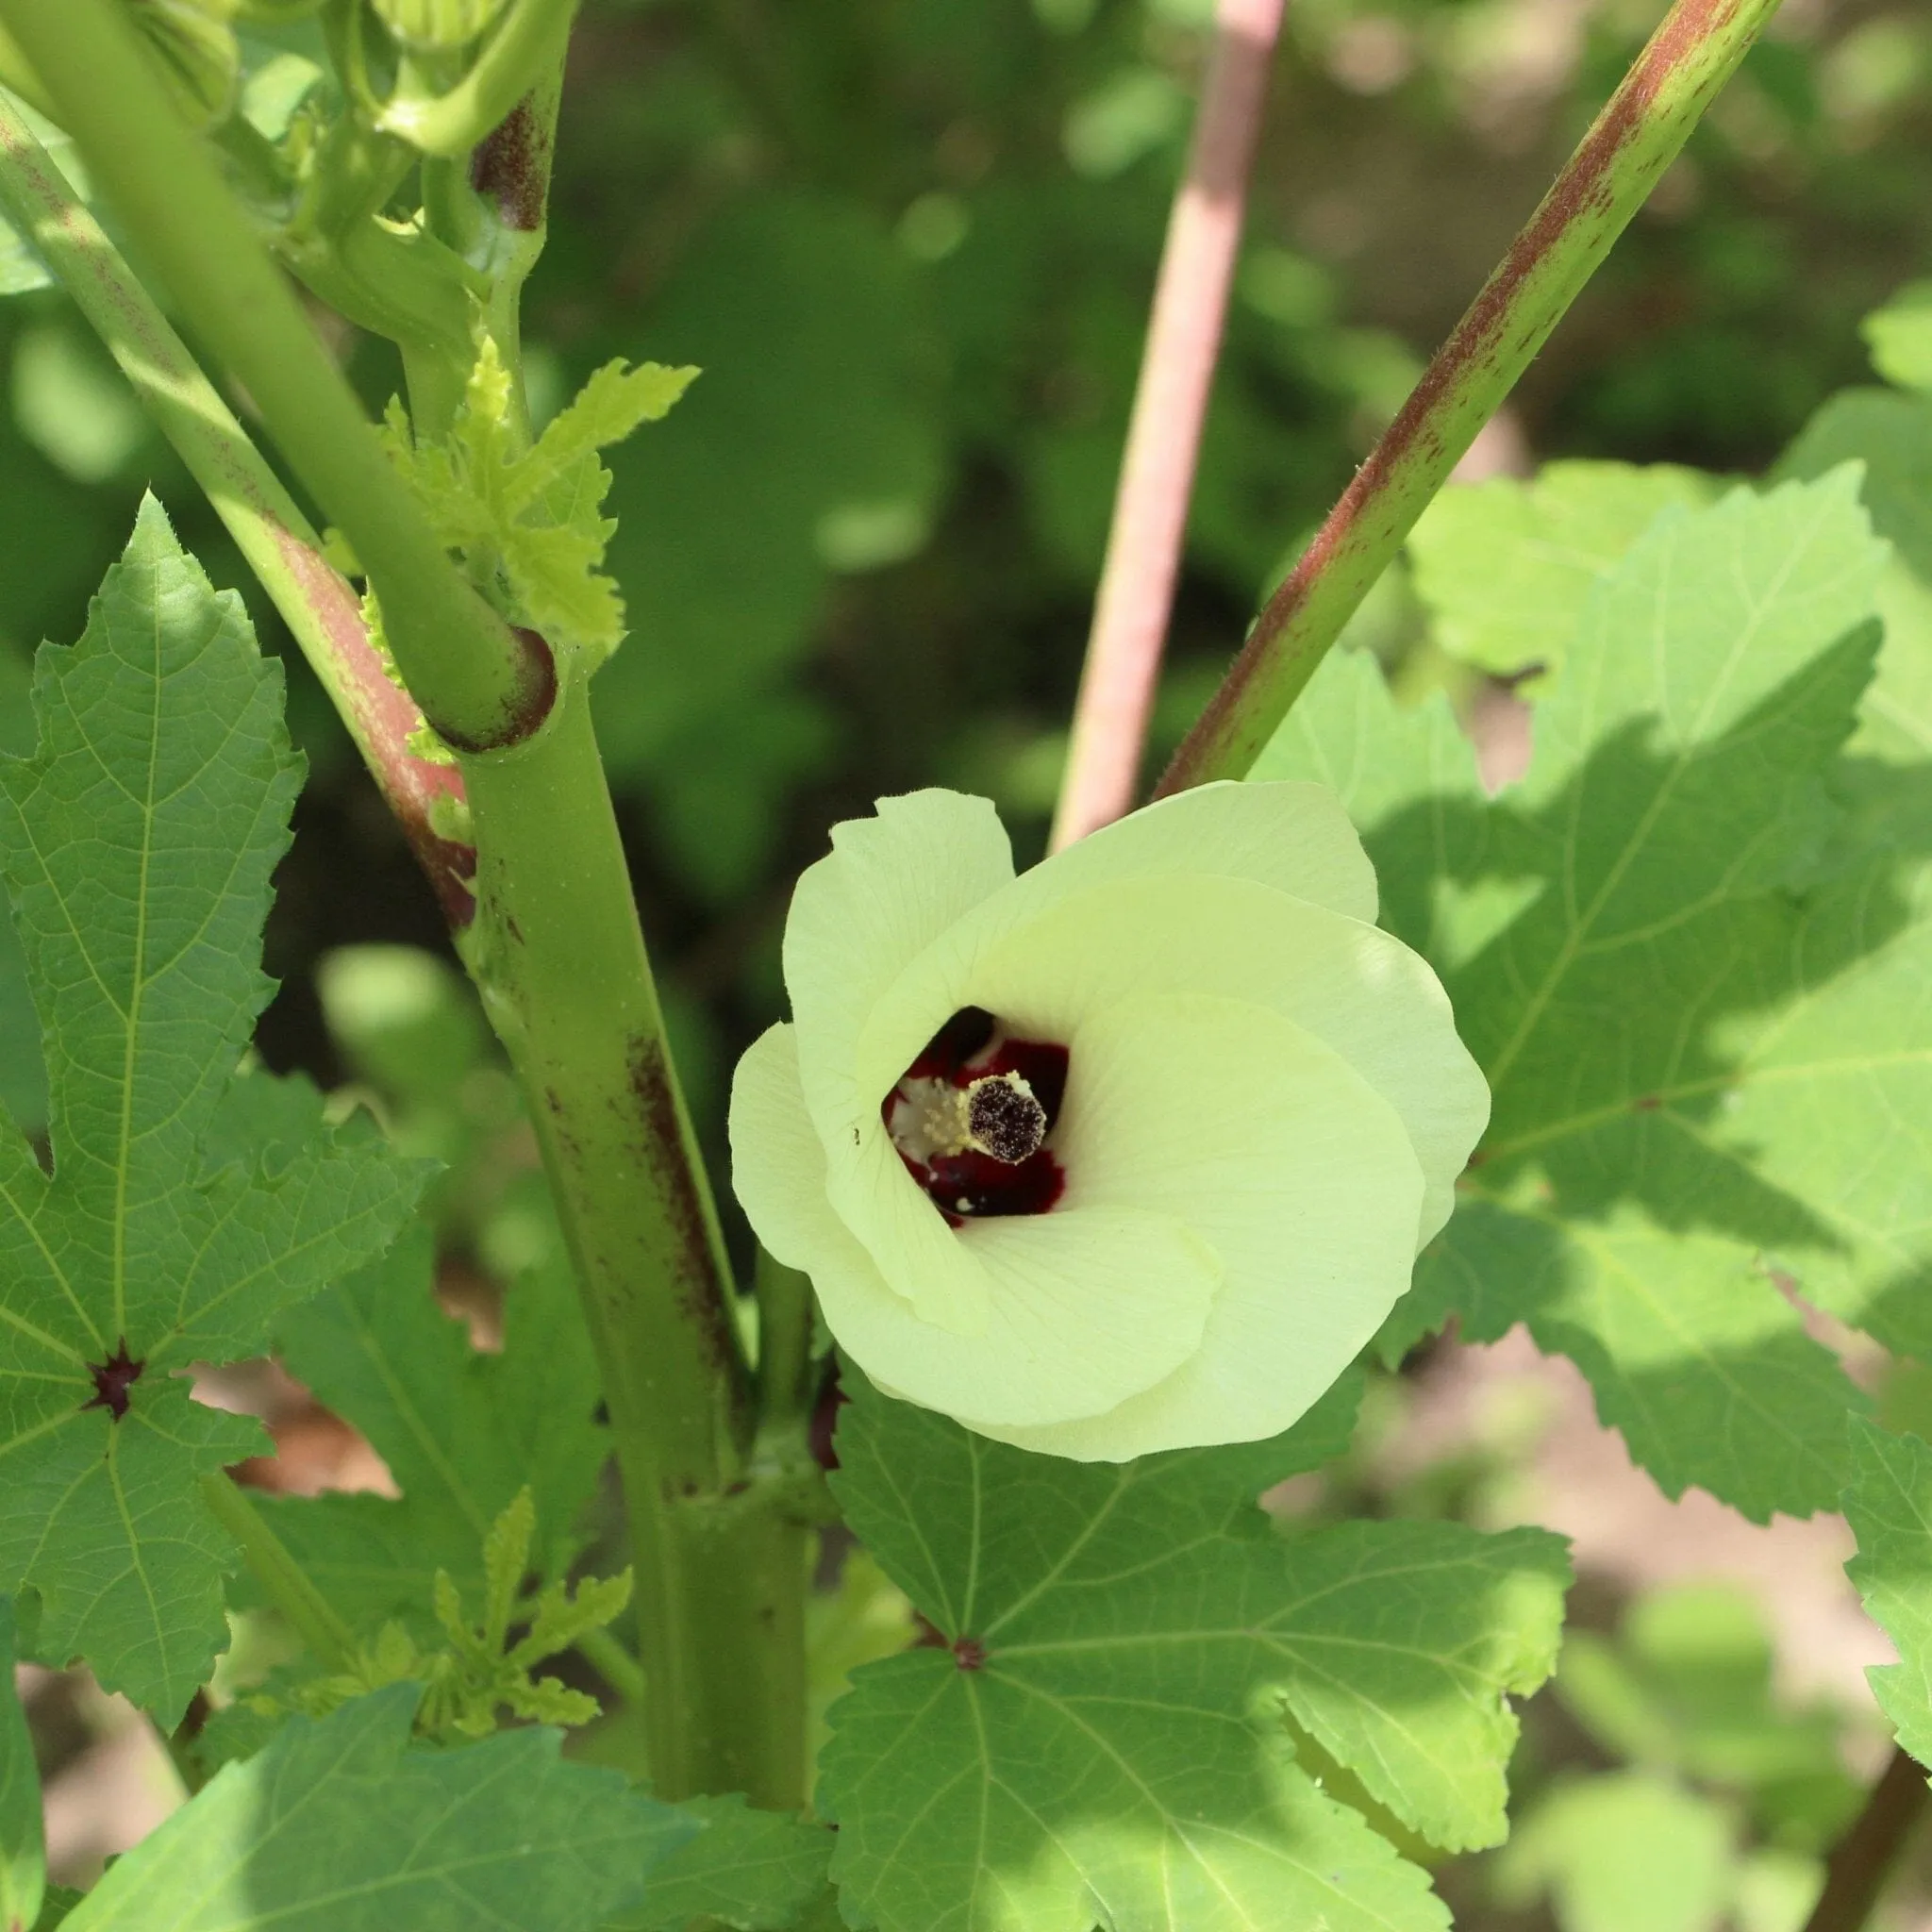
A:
{"points": [[556, 952]]}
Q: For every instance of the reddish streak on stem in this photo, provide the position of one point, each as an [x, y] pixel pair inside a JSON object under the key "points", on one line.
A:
{"points": [[1495, 333], [1150, 510], [384, 717]]}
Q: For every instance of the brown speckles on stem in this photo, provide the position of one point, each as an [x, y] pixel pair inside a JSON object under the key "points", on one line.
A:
{"points": [[511, 168], [969, 1652], [700, 1294]]}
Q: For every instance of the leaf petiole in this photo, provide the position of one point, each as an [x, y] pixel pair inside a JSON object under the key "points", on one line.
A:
{"points": [[1636, 136], [284, 1579]]}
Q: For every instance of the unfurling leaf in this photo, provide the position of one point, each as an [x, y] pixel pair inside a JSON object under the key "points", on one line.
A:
{"points": [[528, 521]]}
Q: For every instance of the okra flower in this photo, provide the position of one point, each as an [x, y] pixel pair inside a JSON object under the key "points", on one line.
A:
{"points": [[1131, 1152]]}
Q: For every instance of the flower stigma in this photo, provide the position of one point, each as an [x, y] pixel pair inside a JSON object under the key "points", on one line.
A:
{"points": [[1004, 1118], [971, 1115]]}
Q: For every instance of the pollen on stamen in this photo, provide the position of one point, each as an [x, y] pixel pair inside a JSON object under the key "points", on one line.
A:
{"points": [[1004, 1118], [971, 1118]]}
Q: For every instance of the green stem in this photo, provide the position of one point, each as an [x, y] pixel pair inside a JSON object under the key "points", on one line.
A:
{"points": [[284, 1579], [784, 1361], [398, 282], [719, 1547], [1637, 135], [272, 533], [479, 683], [1863, 1858], [556, 952], [525, 47]]}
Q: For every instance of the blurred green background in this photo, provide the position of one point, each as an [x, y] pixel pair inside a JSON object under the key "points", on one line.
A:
{"points": [[911, 244]]}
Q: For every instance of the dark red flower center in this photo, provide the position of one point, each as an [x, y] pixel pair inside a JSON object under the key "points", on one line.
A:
{"points": [[971, 1116]]}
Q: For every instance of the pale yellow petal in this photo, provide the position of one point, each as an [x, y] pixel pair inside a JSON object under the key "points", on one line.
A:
{"points": [[1291, 837], [1086, 1307], [1362, 992], [1079, 1309], [890, 886], [780, 1174], [1282, 833], [778, 1165], [917, 1254], [1298, 1175]]}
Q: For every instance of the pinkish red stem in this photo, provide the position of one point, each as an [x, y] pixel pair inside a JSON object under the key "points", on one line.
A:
{"points": [[1150, 512]]}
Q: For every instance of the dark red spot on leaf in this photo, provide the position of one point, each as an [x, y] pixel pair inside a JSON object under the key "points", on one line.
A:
{"points": [[113, 1378]]}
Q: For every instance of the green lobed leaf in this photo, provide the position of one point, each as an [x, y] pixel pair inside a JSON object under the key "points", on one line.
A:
{"points": [[1097, 1733], [1891, 436], [23, 1080], [462, 1431], [136, 846], [1702, 1021], [1889, 1506], [752, 1870], [339, 1827], [1888, 434], [23, 1849], [1504, 565]]}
